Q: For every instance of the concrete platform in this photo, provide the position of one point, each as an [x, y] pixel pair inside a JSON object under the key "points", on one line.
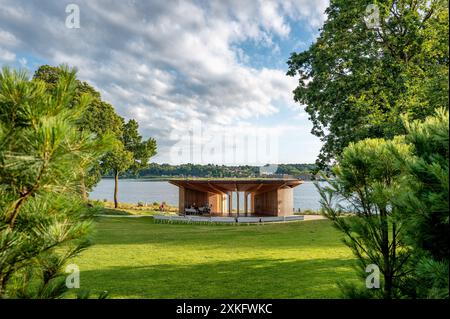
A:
{"points": [[228, 220]]}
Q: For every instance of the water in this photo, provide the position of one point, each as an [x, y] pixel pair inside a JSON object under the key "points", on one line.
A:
{"points": [[146, 191]]}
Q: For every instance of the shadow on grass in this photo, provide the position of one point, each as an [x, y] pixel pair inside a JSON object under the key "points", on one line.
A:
{"points": [[243, 278]]}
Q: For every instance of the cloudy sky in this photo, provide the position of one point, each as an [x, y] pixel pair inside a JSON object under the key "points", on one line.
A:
{"points": [[206, 79]]}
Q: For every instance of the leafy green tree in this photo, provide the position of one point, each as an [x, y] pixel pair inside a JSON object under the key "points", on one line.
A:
{"points": [[367, 181], [99, 117], [43, 222], [130, 153], [357, 78], [119, 160], [424, 203]]}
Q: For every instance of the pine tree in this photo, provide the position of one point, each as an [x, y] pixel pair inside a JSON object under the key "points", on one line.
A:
{"points": [[424, 204], [43, 220], [367, 180]]}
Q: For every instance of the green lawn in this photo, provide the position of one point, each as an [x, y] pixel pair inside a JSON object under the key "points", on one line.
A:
{"points": [[136, 258]]}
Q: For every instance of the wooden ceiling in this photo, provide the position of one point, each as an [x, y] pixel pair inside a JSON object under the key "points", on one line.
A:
{"points": [[222, 186]]}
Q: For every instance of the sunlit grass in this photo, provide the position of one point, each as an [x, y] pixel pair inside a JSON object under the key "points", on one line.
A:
{"points": [[136, 258]]}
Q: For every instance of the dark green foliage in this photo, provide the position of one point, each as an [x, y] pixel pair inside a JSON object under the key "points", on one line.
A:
{"points": [[424, 202], [98, 118], [217, 171], [43, 155], [399, 193], [368, 178], [356, 81], [142, 150], [130, 152]]}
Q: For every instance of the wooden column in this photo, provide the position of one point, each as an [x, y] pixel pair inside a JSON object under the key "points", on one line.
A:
{"points": [[245, 203], [224, 200], [181, 200], [237, 203], [252, 203], [230, 202]]}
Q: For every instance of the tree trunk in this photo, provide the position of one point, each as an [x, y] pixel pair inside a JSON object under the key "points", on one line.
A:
{"points": [[386, 255], [83, 190], [116, 188], [2, 287]]}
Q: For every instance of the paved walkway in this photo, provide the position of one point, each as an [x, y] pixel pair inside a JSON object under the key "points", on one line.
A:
{"points": [[314, 217], [306, 217]]}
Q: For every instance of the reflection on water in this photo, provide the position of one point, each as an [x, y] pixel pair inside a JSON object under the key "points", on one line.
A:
{"points": [[133, 191]]}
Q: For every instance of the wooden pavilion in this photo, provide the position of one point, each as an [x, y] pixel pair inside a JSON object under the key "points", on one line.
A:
{"points": [[260, 197]]}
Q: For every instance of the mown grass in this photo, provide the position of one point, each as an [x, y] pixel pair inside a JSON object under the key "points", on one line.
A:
{"points": [[136, 258]]}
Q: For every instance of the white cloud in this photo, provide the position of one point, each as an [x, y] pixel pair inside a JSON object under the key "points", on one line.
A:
{"points": [[166, 64], [7, 39], [7, 56]]}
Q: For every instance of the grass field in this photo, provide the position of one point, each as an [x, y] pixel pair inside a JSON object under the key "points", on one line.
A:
{"points": [[136, 258]]}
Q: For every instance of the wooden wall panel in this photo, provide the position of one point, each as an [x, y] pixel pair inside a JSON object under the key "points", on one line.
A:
{"points": [[217, 202], [181, 199], [192, 197], [285, 201], [266, 203]]}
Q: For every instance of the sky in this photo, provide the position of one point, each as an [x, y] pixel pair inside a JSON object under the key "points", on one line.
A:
{"points": [[206, 79]]}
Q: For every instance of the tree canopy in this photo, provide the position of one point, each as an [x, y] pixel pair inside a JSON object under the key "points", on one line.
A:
{"points": [[129, 152], [357, 79], [98, 118]]}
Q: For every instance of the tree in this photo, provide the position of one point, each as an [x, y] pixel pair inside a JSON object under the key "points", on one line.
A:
{"points": [[119, 160], [358, 79], [399, 192], [130, 153], [424, 204], [43, 222], [367, 181], [99, 117]]}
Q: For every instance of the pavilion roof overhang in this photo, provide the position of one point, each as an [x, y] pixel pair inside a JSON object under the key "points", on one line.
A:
{"points": [[222, 186]]}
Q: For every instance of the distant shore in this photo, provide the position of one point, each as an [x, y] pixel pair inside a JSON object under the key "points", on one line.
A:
{"points": [[168, 178]]}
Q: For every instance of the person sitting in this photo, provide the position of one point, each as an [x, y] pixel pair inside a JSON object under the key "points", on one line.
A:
{"points": [[195, 207], [190, 210]]}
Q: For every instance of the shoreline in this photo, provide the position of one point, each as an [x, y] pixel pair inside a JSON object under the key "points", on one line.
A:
{"points": [[167, 179]]}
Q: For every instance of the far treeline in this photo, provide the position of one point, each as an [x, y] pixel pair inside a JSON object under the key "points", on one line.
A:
{"points": [[154, 170]]}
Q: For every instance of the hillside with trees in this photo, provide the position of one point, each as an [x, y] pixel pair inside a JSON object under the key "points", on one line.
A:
{"points": [[154, 170]]}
